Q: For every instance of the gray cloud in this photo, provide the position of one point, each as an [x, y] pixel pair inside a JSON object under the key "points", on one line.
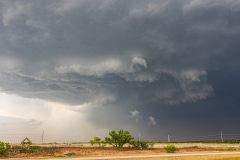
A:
{"points": [[109, 58]]}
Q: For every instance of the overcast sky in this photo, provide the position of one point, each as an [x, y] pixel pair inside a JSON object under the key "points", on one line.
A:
{"points": [[80, 68]]}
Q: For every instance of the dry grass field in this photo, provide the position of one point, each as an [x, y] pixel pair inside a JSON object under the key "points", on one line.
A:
{"points": [[218, 157], [85, 150]]}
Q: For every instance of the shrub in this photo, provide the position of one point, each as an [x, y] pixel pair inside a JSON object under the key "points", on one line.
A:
{"points": [[96, 140], [151, 143], [144, 145], [170, 148], [139, 144], [3, 147], [118, 139]]}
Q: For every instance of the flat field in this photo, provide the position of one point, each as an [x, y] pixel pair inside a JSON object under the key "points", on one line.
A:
{"points": [[218, 157], [86, 150]]}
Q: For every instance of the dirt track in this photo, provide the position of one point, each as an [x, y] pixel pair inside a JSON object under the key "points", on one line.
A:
{"points": [[177, 155]]}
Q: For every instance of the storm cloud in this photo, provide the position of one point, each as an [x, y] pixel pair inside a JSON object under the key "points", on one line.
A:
{"points": [[157, 64]]}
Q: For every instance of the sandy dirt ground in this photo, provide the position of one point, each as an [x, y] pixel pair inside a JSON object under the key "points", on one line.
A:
{"points": [[82, 150]]}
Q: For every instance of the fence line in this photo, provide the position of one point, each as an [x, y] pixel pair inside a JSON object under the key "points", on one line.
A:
{"points": [[51, 138], [225, 136]]}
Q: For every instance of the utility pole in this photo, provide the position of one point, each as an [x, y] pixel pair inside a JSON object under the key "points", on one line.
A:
{"points": [[42, 136], [221, 136], [139, 136], [169, 139]]}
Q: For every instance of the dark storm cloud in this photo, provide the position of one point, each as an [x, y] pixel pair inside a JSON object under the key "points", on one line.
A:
{"points": [[119, 58]]}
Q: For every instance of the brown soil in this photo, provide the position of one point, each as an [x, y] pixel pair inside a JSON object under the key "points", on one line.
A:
{"points": [[45, 152]]}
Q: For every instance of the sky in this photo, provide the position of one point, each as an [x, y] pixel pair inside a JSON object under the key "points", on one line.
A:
{"points": [[74, 69]]}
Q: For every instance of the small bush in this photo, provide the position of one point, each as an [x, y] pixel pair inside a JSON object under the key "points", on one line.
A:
{"points": [[170, 148], [3, 147], [151, 143], [97, 140], [144, 145], [139, 144]]}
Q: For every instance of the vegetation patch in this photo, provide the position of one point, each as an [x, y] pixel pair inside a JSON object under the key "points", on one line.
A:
{"points": [[170, 148], [4, 147], [119, 138]]}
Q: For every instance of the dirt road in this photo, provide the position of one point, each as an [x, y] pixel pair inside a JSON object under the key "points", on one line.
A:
{"points": [[144, 156]]}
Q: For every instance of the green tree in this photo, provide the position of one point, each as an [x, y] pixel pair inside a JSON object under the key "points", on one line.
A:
{"points": [[118, 139], [96, 140], [3, 147]]}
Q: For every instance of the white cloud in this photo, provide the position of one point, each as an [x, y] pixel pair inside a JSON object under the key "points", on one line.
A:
{"points": [[23, 108], [135, 115], [195, 86], [199, 10], [152, 121], [7, 63], [99, 69], [139, 61], [191, 83], [99, 100], [15, 11], [194, 5], [142, 77], [193, 75], [108, 66], [150, 8], [63, 6]]}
